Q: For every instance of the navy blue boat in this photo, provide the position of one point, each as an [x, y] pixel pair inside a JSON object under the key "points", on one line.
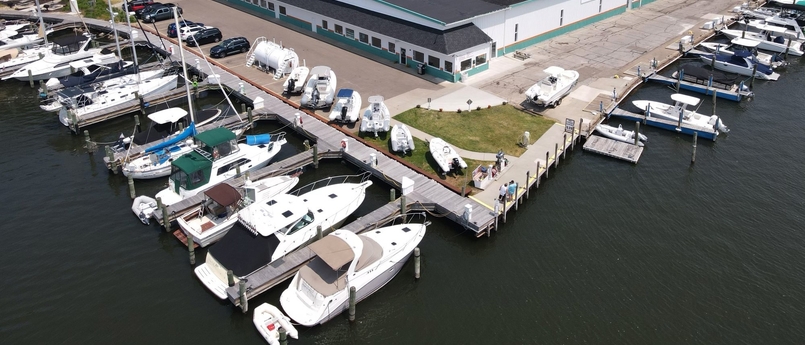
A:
{"points": [[84, 75]]}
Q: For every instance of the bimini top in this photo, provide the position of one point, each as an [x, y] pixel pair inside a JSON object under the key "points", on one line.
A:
{"points": [[345, 93], [320, 70], [773, 28], [334, 251], [690, 100], [554, 70], [169, 115], [192, 162], [215, 136], [69, 40], [223, 194], [745, 42]]}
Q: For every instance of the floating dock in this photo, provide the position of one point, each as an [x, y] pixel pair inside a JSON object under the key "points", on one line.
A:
{"points": [[703, 132], [613, 148], [704, 86]]}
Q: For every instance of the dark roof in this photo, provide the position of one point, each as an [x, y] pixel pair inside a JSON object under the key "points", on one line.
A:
{"points": [[223, 194], [450, 11], [69, 39], [242, 251], [191, 162], [442, 41], [215, 136]]}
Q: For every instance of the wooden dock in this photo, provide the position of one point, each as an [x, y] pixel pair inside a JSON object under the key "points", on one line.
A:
{"points": [[702, 132], [613, 148]]}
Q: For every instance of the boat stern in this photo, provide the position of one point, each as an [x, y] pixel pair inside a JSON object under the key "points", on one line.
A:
{"points": [[304, 304], [205, 274]]}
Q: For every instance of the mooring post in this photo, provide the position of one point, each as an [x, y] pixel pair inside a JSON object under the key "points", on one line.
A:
{"points": [[31, 78], [88, 142], [581, 121], [137, 123], [497, 215], [516, 197], [242, 108], [787, 47], [249, 115], [573, 139], [403, 206], [191, 249], [283, 336], [752, 81], [110, 156], [695, 138], [547, 163], [527, 181], [556, 155], [678, 80], [315, 155], [43, 88], [244, 301], [165, 221], [537, 175], [392, 194], [132, 193], [351, 304], [564, 146], [319, 235], [230, 278], [637, 133], [417, 267], [505, 199]]}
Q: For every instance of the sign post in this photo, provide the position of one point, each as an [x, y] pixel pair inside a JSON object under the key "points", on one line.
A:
{"points": [[428, 103], [570, 125], [469, 105]]}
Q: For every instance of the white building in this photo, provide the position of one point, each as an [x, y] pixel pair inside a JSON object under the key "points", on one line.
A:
{"points": [[451, 38]]}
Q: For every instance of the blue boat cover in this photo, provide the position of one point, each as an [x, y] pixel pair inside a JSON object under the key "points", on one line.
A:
{"points": [[189, 131], [344, 93]]}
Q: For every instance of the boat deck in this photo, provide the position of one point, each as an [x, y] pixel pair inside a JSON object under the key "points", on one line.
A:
{"points": [[613, 148], [703, 132], [731, 94]]}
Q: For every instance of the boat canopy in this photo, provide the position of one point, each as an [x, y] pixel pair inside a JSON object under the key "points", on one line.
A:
{"points": [[191, 171], [169, 115], [334, 251], [345, 93], [191, 162], [69, 40], [554, 70], [243, 252], [223, 194], [690, 100], [186, 133], [745, 42], [375, 99], [216, 136], [320, 71], [773, 29]]}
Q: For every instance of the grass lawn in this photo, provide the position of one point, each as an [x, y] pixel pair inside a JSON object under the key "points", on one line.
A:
{"points": [[421, 158], [485, 130]]}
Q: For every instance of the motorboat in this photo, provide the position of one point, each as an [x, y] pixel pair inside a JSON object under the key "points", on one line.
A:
{"points": [[376, 117], [268, 231], [679, 113], [22, 41], [320, 290], [445, 156], [12, 59], [320, 89], [741, 45], [56, 63], [63, 96], [85, 74], [347, 107], [549, 91], [740, 62], [218, 157], [401, 139], [222, 203], [619, 134], [769, 38], [296, 80], [268, 319], [694, 78], [790, 27]]}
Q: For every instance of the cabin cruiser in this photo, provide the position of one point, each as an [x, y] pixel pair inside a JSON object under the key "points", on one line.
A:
{"points": [[790, 27], [678, 112], [347, 107], [320, 89], [741, 62], [68, 96], [376, 117], [549, 91], [740, 45], [90, 73], [769, 38], [56, 63]]}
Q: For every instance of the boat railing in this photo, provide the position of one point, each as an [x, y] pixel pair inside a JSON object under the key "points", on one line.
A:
{"points": [[407, 218], [360, 178], [204, 154]]}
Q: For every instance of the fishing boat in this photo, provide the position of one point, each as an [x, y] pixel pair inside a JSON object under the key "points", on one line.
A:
{"points": [[401, 139], [320, 290], [85, 74], [296, 80], [769, 38], [56, 63], [741, 45], [268, 319], [347, 106], [445, 156], [270, 230], [679, 113], [320, 89], [222, 203], [376, 117], [549, 91], [740, 62], [619, 134]]}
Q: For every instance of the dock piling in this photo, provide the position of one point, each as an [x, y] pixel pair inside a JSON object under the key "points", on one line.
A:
{"points": [[230, 278], [110, 156], [392, 194], [527, 180], [191, 249], [132, 193], [89, 143], [752, 81], [564, 148], [516, 197], [315, 156], [319, 234], [417, 267], [352, 304], [505, 198], [403, 206], [695, 138], [547, 162], [165, 220], [31, 78], [581, 122], [555, 155], [137, 122], [249, 115], [637, 132], [242, 108], [244, 301], [787, 47], [537, 176]]}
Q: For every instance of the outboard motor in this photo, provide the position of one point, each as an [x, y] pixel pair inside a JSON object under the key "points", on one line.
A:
{"points": [[779, 39], [343, 114], [456, 165], [291, 85]]}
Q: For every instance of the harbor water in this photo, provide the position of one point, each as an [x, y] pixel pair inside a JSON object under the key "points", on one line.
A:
{"points": [[605, 252]]}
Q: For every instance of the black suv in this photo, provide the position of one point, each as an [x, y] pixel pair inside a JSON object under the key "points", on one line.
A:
{"points": [[207, 35], [230, 46], [160, 13]]}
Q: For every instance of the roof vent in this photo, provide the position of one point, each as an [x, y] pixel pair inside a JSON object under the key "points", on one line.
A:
{"points": [[287, 214], [333, 196]]}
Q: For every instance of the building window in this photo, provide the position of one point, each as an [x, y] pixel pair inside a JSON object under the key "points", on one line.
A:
{"points": [[392, 48], [256, 2], [364, 38], [376, 42], [448, 66], [339, 29], [270, 6], [434, 61], [263, 4], [515, 31], [418, 56], [480, 59], [351, 33], [466, 64], [282, 10], [324, 24], [561, 17]]}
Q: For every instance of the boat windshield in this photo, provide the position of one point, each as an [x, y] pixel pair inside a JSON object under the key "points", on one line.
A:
{"points": [[305, 221]]}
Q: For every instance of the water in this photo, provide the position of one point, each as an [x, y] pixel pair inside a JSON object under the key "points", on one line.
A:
{"points": [[604, 252]]}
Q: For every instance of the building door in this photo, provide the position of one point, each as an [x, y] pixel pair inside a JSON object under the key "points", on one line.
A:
{"points": [[403, 58]]}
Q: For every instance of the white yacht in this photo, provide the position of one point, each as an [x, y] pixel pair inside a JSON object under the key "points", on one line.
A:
{"points": [[347, 107], [319, 291], [269, 230], [69, 96], [742, 62], [769, 38], [741, 45], [56, 63], [791, 28], [679, 112], [320, 89], [376, 117], [222, 203]]}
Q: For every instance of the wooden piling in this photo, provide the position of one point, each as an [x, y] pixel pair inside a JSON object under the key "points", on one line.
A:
{"points": [[165, 220], [527, 181], [230, 278], [505, 198], [244, 301], [249, 115], [43, 87], [319, 234], [564, 147], [110, 156], [555, 155], [787, 47], [242, 108], [352, 296], [31, 78], [191, 249], [695, 138], [537, 177], [132, 193], [392, 194], [547, 163], [403, 206], [637, 133], [516, 197], [88, 142], [417, 267], [752, 81], [581, 122], [137, 122], [315, 156]]}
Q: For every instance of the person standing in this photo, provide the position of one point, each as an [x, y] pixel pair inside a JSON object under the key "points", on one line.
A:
{"points": [[512, 188], [503, 190]]}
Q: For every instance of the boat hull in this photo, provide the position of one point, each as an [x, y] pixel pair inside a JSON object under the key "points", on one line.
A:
{"points": [[795, 49], [731, 68]]}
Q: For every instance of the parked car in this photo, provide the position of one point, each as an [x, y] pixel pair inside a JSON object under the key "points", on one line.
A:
{"points": [[187, 31], [230, 46], [207, 35], [160, 13], [135, 5], [173, 33], [149, 7]]}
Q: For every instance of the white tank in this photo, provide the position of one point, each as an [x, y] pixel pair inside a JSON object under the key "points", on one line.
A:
{"points": [[274, 56]]}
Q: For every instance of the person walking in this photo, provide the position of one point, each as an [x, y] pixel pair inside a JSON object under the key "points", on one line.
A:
{"points": [[503, 190]]}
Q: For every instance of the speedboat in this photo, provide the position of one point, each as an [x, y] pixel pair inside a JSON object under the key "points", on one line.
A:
{"points": [[741, 45], [619, 134], [218, 157], [445, 156], [741, 62], [268, 231], [401, 139], [222, 203], [376, 117], [549, 91], [268, 319], [678, 112], [85, 74], [347, 106], [769, 38], [791, 28], [56, 63], [296, 80], [63, 96], [319, 91], [320, 290]]}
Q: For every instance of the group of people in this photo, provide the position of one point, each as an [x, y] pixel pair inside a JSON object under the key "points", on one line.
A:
{"points": [[507, 191]]}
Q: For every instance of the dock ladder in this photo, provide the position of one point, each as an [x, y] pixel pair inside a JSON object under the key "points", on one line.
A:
{"points": [[278, 73], [250, 60]]}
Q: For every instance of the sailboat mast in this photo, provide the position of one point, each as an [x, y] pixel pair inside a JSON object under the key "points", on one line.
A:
{"points": [[41, 22], [184, 69], [112, 21], [131, 39]]}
